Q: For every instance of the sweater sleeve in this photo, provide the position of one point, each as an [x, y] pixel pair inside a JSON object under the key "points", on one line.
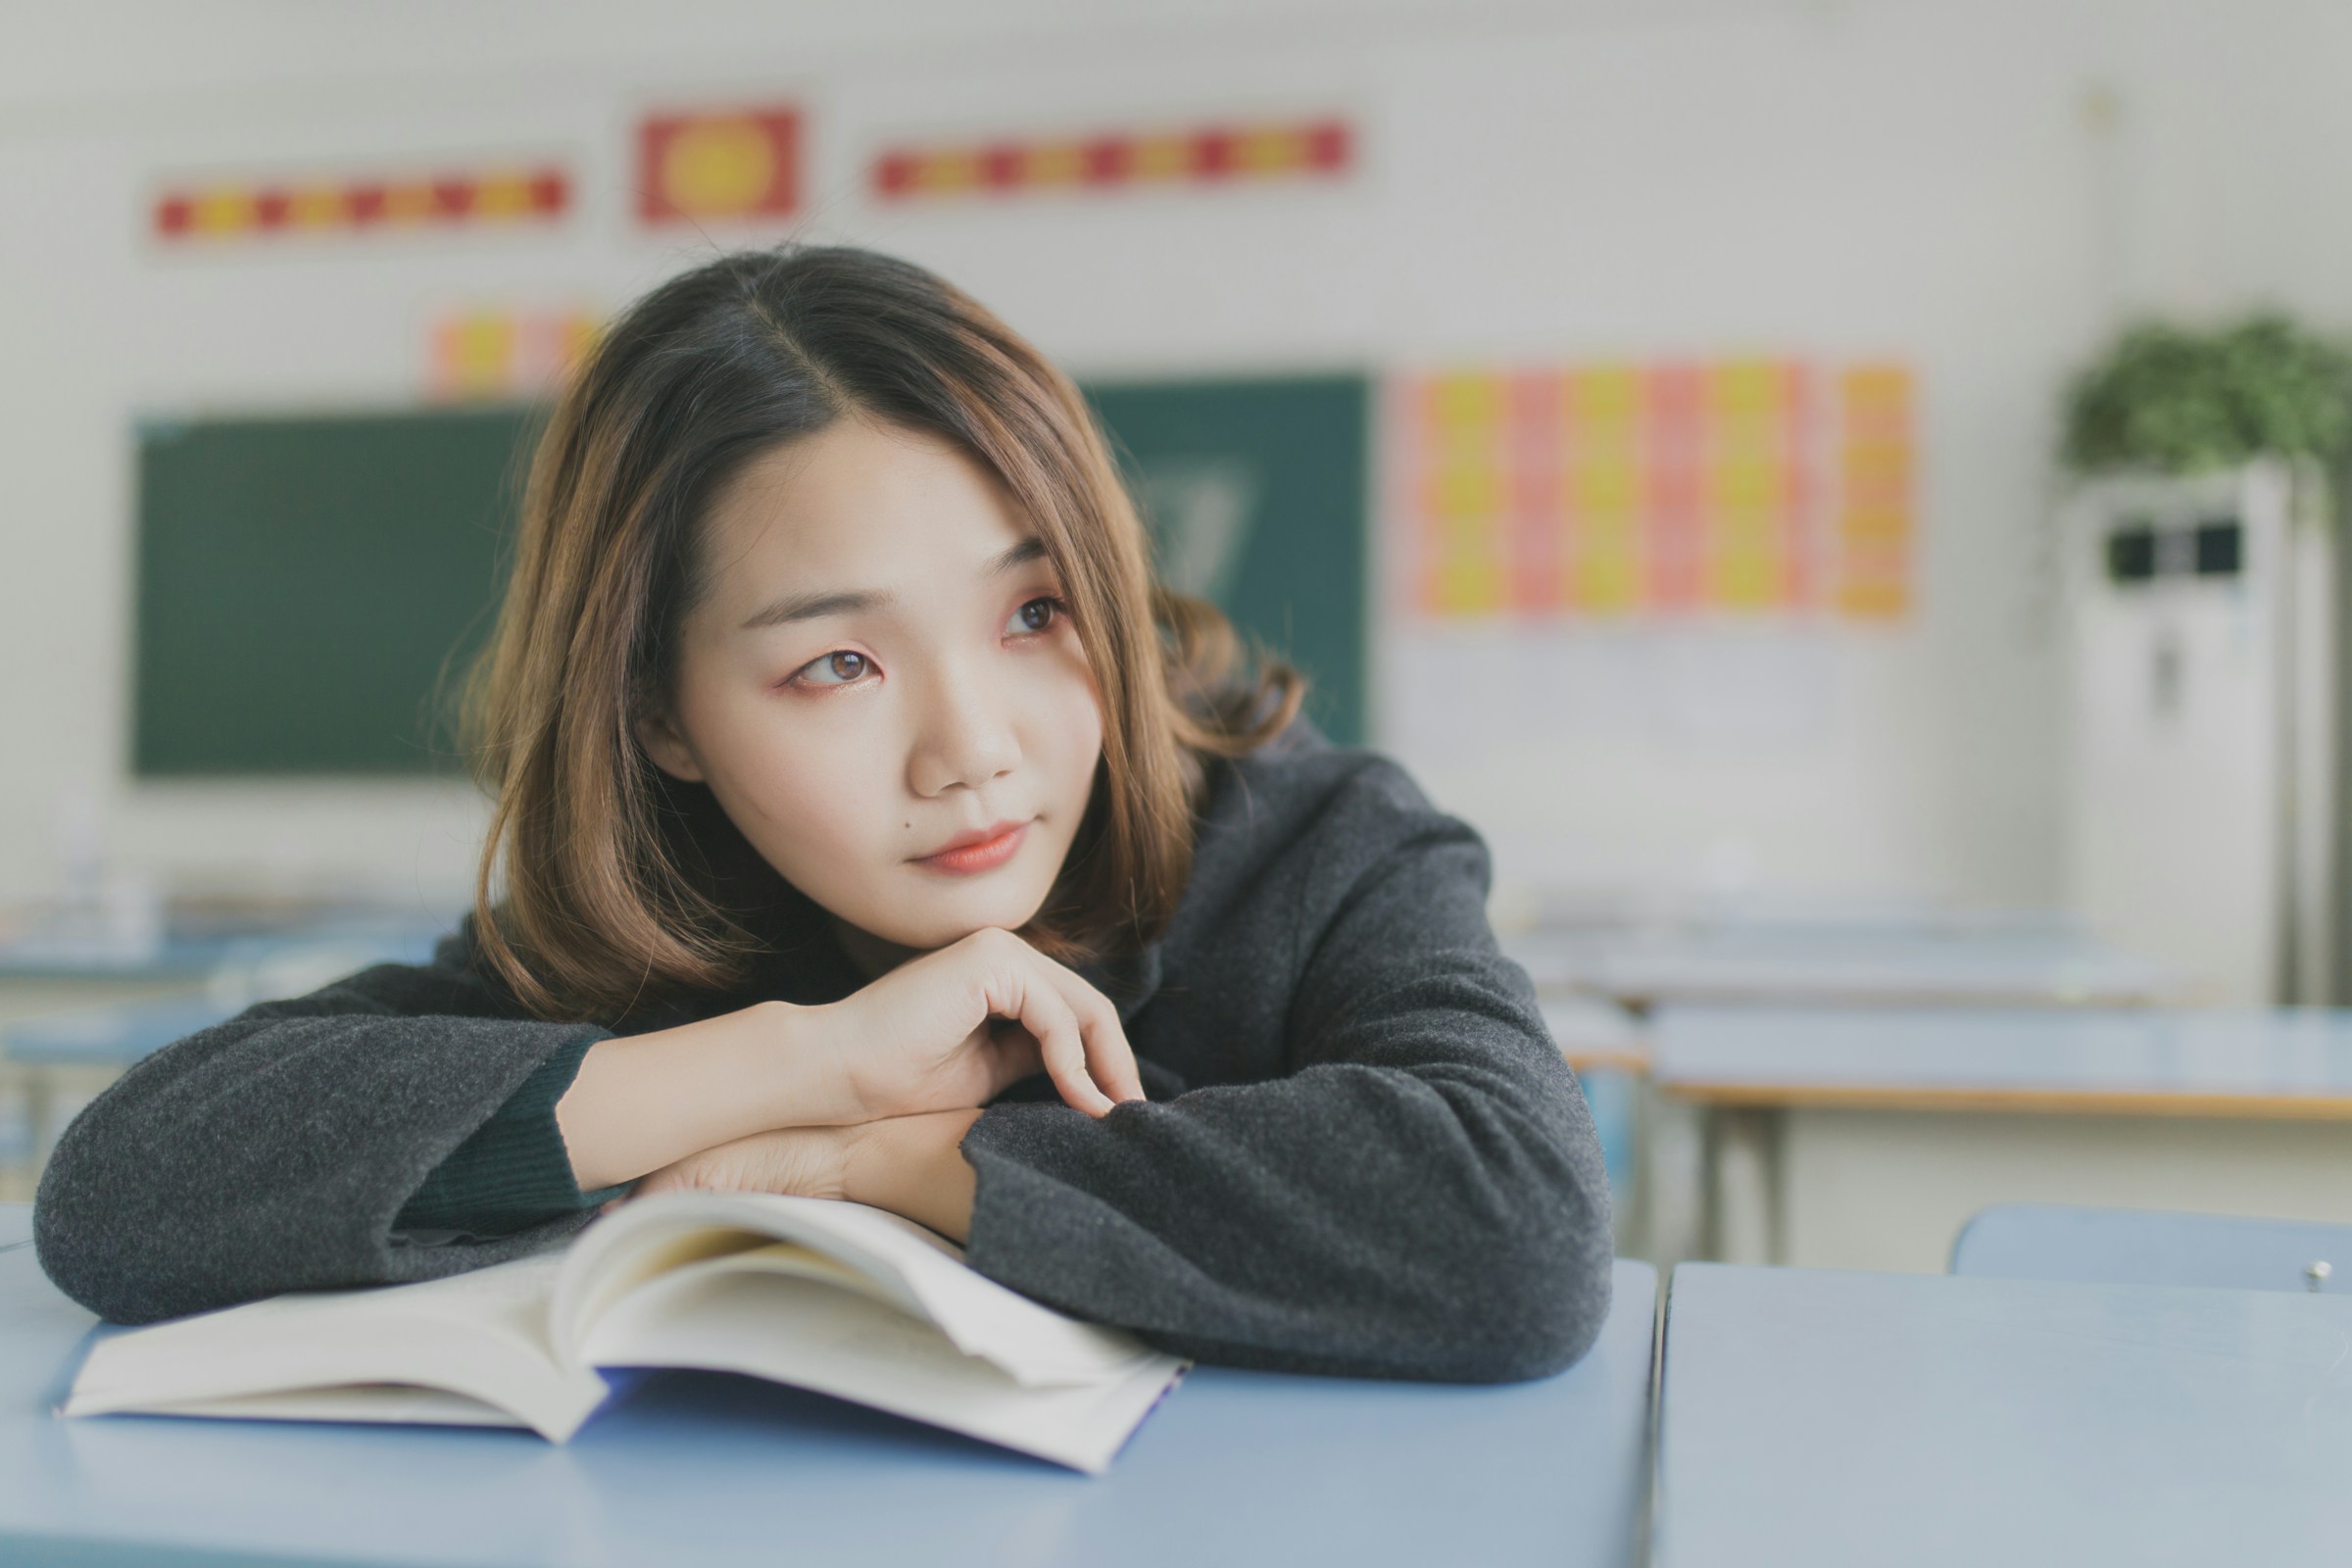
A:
{"points": [[1421, 1194], [513, 1171], [278, 1150]]}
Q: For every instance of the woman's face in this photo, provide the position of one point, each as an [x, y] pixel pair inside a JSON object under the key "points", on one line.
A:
{"points": [[882, 668]]}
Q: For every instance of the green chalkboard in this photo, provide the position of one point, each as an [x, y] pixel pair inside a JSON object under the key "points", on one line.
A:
{"points": [[1256, 491], [304, 584], [308, 587]]}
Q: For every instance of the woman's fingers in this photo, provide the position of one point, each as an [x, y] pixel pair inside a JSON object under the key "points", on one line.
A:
{"points": [[1049, 1015], [1102, 1061], [1072, 1028], [1109, 1059]]}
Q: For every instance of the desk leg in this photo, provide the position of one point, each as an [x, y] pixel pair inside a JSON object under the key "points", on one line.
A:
{"points": [[40, 1128], [1637, 1229], [53, 1097], [1675, 1199], [18, 1094], [1742, 1185]]}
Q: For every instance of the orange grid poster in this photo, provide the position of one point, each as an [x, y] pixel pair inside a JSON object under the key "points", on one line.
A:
{"points": [[1612, 490], [718, 165], [1110, 160], [1874, 462], [229, 209]]}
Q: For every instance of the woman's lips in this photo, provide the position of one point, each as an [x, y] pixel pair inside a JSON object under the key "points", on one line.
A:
{"points": [[985, 856]]}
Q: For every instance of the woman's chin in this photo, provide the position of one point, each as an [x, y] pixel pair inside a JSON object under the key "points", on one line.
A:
{"points": [[948, 920]]}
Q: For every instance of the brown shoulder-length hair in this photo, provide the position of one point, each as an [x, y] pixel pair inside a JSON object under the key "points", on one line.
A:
{"points": [[620, 884]]}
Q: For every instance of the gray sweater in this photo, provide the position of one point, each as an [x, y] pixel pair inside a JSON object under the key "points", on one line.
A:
{"points": [[1361, 1152]]}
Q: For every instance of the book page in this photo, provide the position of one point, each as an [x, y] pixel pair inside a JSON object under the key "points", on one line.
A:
{"points": [[892, 1260], [393, 1404], [481, 1336], [731, 1314]]}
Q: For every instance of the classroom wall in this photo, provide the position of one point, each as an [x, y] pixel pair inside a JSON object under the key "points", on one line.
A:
{"points": [[1978, 188]]}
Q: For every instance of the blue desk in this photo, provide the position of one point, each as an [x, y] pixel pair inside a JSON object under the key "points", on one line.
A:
{"points": [[1800, 1105], [113, 1037], [200, 953], [186, 958], [1986, 968], [59, 1058], [1830, 1419], [1659, 912], [2281, 1062], [1234, 1467], [236, 972]]}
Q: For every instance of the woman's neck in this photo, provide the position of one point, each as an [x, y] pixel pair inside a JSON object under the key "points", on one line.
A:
{"points": [[872, 956]]}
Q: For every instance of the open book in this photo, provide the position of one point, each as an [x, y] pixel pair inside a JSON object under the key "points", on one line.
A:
{"points": [[835, 1297]]}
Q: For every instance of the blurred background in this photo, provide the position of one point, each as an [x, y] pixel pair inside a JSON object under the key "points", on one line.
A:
{"points": [[1842, 493]]}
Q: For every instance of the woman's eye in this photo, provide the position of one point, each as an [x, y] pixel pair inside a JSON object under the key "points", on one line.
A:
{"points": [[837, 668], [1036, 615]]}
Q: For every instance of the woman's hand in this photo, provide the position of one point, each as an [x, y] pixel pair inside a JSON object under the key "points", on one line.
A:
{"points": [[951, 1029], [804, 1162], [948, 1031], [911, 1165]]}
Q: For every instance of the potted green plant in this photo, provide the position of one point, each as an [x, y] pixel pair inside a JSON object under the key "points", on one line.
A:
{"points": [[2177, 401]]}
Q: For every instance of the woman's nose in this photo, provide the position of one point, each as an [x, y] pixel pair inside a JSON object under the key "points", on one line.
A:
{"points": [[966, 739]]}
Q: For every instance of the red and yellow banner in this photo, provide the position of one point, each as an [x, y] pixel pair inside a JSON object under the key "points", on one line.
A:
{"points": [[1608, 490], [200, 211], [499, 354], [1116, 160], [727, 165]]}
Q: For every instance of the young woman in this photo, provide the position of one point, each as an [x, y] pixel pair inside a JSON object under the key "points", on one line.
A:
{"points": [[848, 772]]}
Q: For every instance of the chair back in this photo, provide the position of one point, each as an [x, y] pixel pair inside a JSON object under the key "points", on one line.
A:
{"points": [[2141, 1247]]}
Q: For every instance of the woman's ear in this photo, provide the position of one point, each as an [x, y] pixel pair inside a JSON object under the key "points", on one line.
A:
{"points": [[668, 748]]}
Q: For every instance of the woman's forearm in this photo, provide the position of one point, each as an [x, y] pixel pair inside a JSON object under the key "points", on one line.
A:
{"points": [[641, 1102]]}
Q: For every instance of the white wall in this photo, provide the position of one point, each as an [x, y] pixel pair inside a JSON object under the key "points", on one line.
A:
{"points": [[1926, 179]]}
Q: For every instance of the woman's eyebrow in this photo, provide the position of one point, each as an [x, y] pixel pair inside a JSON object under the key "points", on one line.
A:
{"points": [[817, 604]]}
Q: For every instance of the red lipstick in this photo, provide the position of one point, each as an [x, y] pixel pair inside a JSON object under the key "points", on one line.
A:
{"points": [[983, 849]]}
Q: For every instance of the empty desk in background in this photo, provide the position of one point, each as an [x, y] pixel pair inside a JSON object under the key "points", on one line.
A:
{"points": [[1595, 1034], [197, 956], [1608, 1047], [1234, 1467], [2000, 966], [1660, 910], [187, 957], [60, 1063], [1840, 1420], [54, 1061], [1866, 1138], [42, 975], [1858, 958]]}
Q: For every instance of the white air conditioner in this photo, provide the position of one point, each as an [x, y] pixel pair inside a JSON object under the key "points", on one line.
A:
{"points": [[2201, 724]]}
